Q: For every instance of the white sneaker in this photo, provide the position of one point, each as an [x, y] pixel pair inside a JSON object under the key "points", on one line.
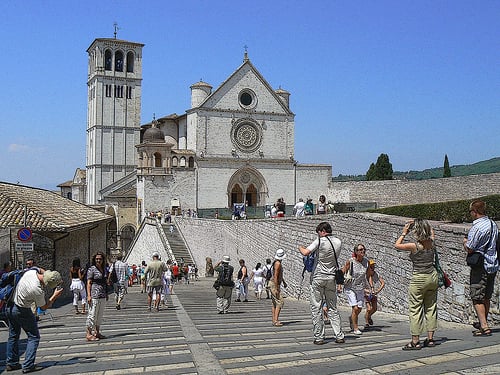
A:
{"points": [[357, 332]]}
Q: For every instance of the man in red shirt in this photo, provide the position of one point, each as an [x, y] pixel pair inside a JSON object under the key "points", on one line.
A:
{"points": [[175, 271]]}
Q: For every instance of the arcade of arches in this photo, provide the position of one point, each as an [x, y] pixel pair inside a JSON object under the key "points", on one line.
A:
{"points": [[118, 239]]}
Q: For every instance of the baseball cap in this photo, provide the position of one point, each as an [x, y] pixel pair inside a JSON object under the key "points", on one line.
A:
{"points": [[51, 278]]}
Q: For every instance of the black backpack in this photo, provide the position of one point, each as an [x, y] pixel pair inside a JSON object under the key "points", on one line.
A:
{"points": [[226, 276], [269, 273]]}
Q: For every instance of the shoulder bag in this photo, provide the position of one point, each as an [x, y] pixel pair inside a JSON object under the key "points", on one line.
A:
{"points": [[339, 275], [476, 259]]}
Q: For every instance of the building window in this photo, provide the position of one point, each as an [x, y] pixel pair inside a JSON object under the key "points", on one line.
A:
{"points": [[108, 91], [129, 92], [118, 91], [174, 162], [182, 162], [191, 162], [247, 99], [119, 61], [107, 60], [130, 62]]}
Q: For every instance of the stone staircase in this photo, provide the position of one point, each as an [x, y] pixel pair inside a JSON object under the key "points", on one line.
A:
{"points": [[177, 245]]}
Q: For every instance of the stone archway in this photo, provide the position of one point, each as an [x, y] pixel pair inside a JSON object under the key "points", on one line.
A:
{"points": [[247, 184], [127, 236]]}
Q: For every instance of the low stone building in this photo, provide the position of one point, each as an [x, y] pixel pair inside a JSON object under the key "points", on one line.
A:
{"points": [[56, 229]]}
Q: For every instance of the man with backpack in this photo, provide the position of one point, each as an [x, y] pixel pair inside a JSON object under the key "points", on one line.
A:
{"points": [[323, 287], [118, 271], [29, 290], [268, 273], [225, 284]]}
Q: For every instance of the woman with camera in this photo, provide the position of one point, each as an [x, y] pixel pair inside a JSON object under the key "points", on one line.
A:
{"points": [[423, 288]]}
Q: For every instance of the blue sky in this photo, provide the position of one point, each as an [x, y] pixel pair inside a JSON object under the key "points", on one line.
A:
{"points": [[413, 79]]}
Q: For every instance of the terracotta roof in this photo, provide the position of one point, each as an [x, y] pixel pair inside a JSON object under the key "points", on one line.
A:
{"points": [[46, 210], [68, 183]]}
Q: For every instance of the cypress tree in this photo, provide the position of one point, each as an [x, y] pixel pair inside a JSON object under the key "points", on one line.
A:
{"points": [[446, 167]]}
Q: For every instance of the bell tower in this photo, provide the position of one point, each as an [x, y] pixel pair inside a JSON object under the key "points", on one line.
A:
{"points": [[113, 112]]}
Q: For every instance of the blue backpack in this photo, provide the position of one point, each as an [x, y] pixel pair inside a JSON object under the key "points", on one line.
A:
{"points": [[8, 285], [308, 261]]}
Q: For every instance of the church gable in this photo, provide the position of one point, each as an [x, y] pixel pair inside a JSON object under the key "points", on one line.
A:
{"points": [[246, 89]]}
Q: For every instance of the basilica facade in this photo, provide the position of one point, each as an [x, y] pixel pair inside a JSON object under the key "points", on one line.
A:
{"points": [[235, 144]]}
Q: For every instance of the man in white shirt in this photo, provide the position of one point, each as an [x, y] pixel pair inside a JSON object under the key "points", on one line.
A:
{"points": [[299, 208], [29, 290], [121, 269], [323, 287]]}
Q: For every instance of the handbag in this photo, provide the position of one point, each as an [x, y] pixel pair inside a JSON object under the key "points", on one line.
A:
{"points": [[475, 259], [339, 275], [443, 279]]}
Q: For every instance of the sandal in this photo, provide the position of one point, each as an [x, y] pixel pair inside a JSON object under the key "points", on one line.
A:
{"points": [[92, 338], [370, 321], [277, 324], [429, 343], [412, 346], [482, 332]]}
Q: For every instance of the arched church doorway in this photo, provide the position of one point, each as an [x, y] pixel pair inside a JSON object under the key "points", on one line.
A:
{"points": [[247, 185]]}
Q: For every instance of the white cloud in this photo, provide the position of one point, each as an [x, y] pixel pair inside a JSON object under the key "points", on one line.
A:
{"points": [[14, 147]]}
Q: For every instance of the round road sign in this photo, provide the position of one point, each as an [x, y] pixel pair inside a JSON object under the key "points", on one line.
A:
{"points": [[24, 234]]}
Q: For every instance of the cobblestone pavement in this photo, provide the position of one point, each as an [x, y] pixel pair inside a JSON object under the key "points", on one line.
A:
{"points": [[189, 337]]}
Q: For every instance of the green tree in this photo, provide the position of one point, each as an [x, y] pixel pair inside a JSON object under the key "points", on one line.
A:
{"points": [[381, 170], [446, 167]]}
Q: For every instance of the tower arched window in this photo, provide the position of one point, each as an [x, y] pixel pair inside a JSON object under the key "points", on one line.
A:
{"points": [[157, 157], [108, 60], [119, 61], [174, 161], [182, 162], [130, 62], [191, 162]]}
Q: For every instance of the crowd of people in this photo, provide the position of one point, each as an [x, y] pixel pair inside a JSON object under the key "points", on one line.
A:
{"points": [[165, 216], [361, 285]]}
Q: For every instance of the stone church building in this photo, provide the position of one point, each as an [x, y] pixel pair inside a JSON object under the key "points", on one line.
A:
{"points": [[234, 144]]}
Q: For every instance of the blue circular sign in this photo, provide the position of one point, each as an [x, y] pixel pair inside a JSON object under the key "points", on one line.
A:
{"points": [[24, 234]]}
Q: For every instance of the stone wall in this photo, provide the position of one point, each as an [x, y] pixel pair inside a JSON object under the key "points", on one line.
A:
{"points": [[256, 240], [397, 192]]}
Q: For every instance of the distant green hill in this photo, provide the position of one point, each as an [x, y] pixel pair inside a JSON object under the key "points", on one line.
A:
{"points": [[482, 167]]}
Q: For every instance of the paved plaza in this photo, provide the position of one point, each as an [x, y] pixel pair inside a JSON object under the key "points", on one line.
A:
{"points": [[189, 337]]}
